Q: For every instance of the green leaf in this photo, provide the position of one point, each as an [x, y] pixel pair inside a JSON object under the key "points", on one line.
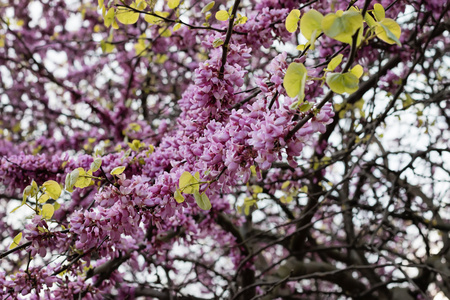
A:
{"points": [[43, 198], [47, 211], [202, 200], [217, 42], [285, 185], [335, 62], [357, 71], [135, 145], [176, 27], [83, 179], [295, 80], [311, 22], [16, 208], [257, 189], [34, 189], [286, 199], [16, 241], [173, 3], [342, 83], [178, 196], [126, 16], [208, 7], [188, 183], [96, 164], [71, 179], [117, 170], [389, 31], [141, 4], [109, 17], [292, 20], [370, 20], [106, 47], [247, 209], [222, 15], [342, 26], [52, 188], [379, 12], [305, 107], [26, 193], [164, 32], [197, 176], [155, 19]]}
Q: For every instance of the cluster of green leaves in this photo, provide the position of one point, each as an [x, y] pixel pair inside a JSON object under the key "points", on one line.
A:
{"points": [[354, 109], [384, 28], [190, 184], [249, 202], [130, 14], [39, 195], [341, 26]]}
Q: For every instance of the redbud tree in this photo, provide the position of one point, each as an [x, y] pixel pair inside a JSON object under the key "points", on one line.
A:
{"points": [[254, 149]]}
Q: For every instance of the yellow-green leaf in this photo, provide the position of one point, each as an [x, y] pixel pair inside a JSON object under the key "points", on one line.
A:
{"points": [[47, 211], [155, 19], [43, 198], [16, 208], [135, 145], [141, 4], [389, 31], [311, 22], [52, 188], [286, 199], [173, 3], [16, 241], [56, 206], [306, 106], [222, 15], [335, 62], [176, 27], [342, 26], [357, 71], [71, 179], [295, 79], [84, 179], [202, 200], [188, 183], [127, 16], [208, 7], [26, 193], [292, 20], [164, 32], [217, 42], [178, 196], [117, 170], [96, 164], [109, 17], [379, 12], [34, 188], [106, 46], [370, 20], [342, 83], [257, 189], [185, 178], [285, 185]]}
